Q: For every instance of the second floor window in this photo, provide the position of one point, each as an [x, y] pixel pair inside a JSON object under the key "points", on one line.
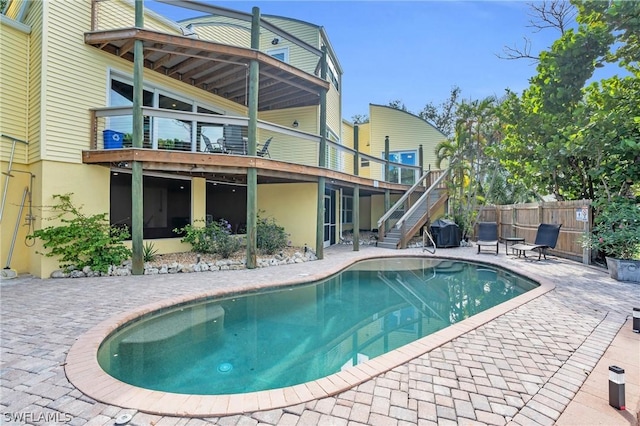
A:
{"points": [[281, 54]]}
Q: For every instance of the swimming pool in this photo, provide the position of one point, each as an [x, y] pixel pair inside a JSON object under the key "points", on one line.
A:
{"points": [[281, 338]]}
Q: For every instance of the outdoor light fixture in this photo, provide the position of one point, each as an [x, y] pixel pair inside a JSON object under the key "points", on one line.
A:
{"points": [[636, 320], [295, 123], [275, 41], [616, 387]]}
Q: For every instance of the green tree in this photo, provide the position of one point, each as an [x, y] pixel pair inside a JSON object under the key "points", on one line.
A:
{"points": [[444, 115], [539, 144], [398, 104], [360, 119]]}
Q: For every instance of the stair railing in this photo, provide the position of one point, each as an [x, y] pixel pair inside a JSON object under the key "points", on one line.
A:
{"points": [[382, 222], [401, 223]]}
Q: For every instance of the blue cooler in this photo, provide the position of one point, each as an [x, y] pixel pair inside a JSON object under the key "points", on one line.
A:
{"points": [[112, 139]]}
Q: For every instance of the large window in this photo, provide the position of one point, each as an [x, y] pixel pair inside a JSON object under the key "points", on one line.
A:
{"points": [[163, 133], [402, 175], [166, 204]]}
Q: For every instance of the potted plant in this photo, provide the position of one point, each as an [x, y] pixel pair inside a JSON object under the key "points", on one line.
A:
{"points": [[616, 234]]}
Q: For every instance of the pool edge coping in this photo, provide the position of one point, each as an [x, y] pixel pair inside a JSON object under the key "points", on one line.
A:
{"points": [[84, 372]]}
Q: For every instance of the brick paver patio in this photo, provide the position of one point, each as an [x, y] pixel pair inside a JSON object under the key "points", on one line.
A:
{"points": [[524, 367]]}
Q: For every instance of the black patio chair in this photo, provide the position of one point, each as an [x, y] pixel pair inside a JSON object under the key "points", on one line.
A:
{"points": [[263, 149], [487, 235], [546, 238]]}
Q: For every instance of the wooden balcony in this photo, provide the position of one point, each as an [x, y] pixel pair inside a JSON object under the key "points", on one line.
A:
{"points": [[293, 153]]}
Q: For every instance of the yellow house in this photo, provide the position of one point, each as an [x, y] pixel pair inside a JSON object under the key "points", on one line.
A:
{"points": [[412, 141], [209, 103]]}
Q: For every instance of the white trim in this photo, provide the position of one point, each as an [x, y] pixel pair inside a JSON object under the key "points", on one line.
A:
{"points": [[16, 25]]}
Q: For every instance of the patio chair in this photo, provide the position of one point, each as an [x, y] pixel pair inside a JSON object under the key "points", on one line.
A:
{"points": [[546, 238], [209, 147], [487, 235], [234, 142], [264, 148]]}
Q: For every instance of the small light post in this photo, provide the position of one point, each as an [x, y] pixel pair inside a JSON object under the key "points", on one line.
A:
{"points": [[636, 320], [616, 387]]}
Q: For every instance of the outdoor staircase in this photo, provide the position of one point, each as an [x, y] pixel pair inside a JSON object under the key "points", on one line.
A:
{"points": [[397, 227]]}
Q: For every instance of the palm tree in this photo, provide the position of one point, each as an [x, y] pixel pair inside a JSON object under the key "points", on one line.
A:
{"points": [[475, 130]]}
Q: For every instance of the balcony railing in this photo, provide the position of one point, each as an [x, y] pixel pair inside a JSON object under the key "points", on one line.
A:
{"points": [[227, 135]]}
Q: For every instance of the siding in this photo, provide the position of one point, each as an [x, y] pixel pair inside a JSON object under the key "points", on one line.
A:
{"points": [[334, 118], [14, 50], [347, 140], [298, 57], [234, 32], [73, 90], [406, 132], [35, 20], [221, 29], [111, 14], [364, 145], [70, 90], [288, 148]]}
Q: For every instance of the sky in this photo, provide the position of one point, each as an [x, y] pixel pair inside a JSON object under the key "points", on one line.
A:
{"points": [[413, 51]]}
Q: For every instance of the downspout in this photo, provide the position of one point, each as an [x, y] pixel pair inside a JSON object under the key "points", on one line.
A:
{"points": [[252, 132]]}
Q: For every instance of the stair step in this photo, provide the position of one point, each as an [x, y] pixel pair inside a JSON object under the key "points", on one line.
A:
{"points": [[388, 244]]}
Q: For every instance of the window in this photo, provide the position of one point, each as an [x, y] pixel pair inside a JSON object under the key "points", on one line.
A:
{"points": [[281, 54], [364, 162], [402, 175], [332, 74], [166, 204], [347, 209], [163, 133]]}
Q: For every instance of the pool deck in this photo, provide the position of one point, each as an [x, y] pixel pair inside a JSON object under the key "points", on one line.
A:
{"points": [[542, 362]]}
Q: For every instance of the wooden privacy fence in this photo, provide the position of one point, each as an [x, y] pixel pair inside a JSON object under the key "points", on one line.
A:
{"points": [[522, 220]]}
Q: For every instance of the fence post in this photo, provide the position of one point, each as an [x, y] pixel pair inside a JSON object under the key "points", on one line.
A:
{"points": [[586, 250], [541, 212], [498, 220]]}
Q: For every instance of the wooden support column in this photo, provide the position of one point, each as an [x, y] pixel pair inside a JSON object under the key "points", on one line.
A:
{"points": [[252, 172], [137, 197], [356, 191], [387, 172], [322, 160]]}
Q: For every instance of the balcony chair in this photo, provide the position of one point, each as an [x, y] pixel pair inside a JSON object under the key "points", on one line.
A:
{"points": [[264, 148], [487, 235], [546, 238], [209, 147]]}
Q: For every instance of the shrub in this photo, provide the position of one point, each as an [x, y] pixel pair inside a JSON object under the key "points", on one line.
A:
{"points": [[617, 229], [213, 238], [82, 240], [149, 252], [270, 237]]}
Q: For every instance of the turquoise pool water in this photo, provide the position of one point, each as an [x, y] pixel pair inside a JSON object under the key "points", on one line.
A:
{"points": [[278, 338]]}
